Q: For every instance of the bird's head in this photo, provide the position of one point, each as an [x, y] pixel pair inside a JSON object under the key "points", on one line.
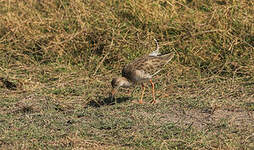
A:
{"points": [[116, 83]]}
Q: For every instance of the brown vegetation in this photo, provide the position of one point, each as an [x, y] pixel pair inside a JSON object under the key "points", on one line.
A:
{"points": [[57, 59]]}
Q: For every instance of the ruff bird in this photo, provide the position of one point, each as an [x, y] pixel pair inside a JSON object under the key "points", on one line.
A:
{"points": [[142, 70]]}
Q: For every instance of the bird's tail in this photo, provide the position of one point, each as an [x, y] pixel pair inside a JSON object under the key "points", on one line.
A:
{"points": [[156, 52]]}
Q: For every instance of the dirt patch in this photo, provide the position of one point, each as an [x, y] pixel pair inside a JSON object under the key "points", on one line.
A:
{"points": [[201, 119]]}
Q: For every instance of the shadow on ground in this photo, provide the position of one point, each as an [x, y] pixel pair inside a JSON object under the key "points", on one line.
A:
{"points": [[107, 101]]}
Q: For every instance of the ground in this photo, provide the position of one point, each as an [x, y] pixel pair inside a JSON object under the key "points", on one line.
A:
{"points": [[73, 111], [59, 57]]}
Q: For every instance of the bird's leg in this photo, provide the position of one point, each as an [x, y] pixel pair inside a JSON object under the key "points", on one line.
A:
{"points": [[142, 94], [140, 101], [153, 101]]}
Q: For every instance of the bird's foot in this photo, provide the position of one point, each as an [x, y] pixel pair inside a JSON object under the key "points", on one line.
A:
{"points": [[138, 102]]}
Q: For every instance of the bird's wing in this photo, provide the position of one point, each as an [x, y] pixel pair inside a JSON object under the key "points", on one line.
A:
{"points": [[167, 58], [152, 64]]}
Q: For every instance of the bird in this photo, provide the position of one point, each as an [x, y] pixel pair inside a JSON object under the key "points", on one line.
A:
{"points": [[140, 71]]}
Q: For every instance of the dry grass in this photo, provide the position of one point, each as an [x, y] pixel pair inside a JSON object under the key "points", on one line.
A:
{"points": [[58, 57]]}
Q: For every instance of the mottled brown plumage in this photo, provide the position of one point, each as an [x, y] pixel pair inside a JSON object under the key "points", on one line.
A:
{"points": [[142, 70]]}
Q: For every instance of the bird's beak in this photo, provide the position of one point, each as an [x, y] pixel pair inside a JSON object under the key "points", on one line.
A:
{"points": [[113, 92]]}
